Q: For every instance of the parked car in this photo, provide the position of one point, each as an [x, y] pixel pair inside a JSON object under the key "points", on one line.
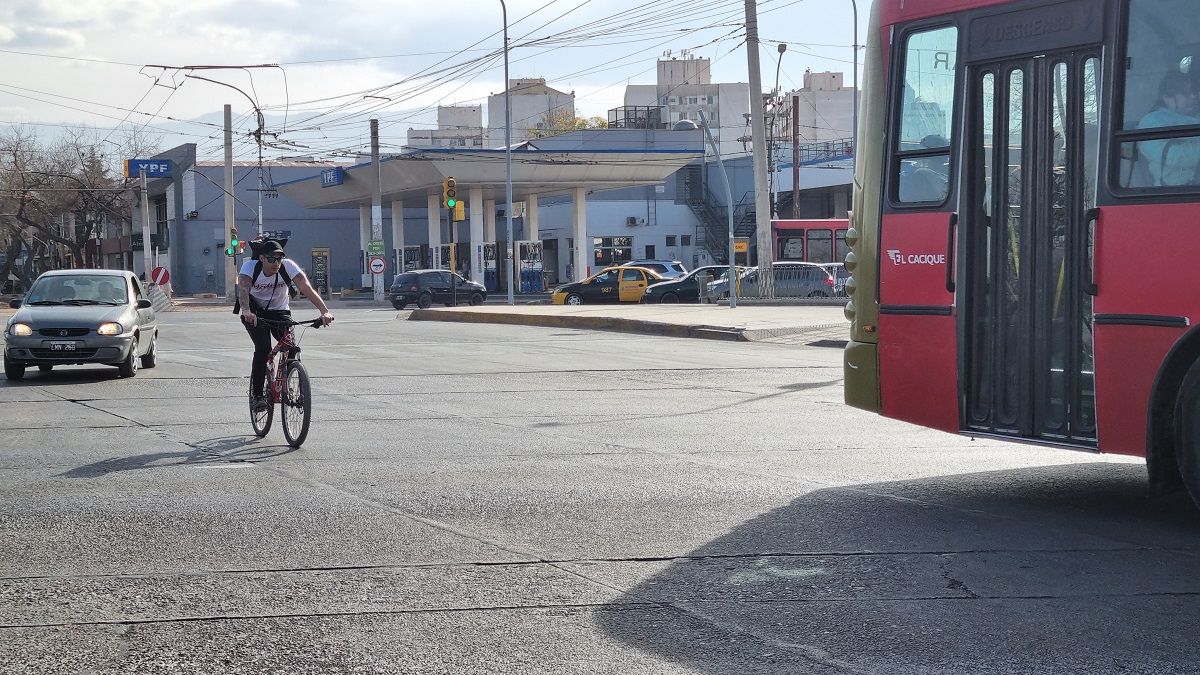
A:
{"points": [[840, 275], [792, 280], [614, 284], [667, 269], [425, 287], [685, 288], [72, 317]]}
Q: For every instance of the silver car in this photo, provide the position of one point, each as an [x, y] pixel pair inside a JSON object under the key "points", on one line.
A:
{"points": [[82, 316], [792, 280]]}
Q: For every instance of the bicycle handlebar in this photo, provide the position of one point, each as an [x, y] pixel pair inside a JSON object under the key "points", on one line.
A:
{"points": [[312, 323]]}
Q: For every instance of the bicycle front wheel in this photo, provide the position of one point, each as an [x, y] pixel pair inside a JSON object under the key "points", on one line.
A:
{"points": [[261, 419], [296, 406]]}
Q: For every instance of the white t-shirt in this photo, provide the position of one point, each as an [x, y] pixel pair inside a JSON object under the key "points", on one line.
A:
{"points": [[270, 292]]}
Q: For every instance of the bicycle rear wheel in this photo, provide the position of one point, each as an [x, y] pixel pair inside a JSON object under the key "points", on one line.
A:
{"points": [[261, 420], [295, 408]]}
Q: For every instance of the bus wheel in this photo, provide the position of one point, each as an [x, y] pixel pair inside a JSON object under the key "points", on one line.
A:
{"points": [[1187, 426]]}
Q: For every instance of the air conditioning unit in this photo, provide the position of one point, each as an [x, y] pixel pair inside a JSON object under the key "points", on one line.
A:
{"points": [[631, 221], [191, 215]]}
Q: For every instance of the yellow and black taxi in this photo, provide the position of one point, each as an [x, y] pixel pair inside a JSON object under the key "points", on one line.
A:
{"points": [[614, 284]]}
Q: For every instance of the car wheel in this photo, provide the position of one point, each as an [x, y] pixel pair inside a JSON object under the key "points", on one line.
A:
{"points": [[13, 371], [398, 305], [425, 301], [476, 300], [46, 367], [669, 299], [129, 367], [574, 299], [151, 356]]}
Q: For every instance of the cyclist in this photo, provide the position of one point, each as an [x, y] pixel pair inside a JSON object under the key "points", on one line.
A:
{"points": [[264, 290]]}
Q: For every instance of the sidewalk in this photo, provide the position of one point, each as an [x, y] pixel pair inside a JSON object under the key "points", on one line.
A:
{"points": [[746, 323]]}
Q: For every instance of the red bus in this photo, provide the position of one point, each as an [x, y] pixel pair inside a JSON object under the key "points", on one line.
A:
{"points": [[1020, 241], [815, 240]]}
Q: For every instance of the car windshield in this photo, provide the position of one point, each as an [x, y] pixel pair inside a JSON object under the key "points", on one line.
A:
{"points": [[83, 289]]}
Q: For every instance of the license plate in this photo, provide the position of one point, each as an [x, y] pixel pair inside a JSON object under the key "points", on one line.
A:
{"points": [[62, 346]]}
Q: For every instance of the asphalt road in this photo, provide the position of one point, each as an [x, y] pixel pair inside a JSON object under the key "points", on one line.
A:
{"points": [[486, 498]]}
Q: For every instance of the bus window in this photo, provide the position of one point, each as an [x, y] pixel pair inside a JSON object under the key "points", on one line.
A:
{"points": [[1161, 80], [922, 168], [791, 248], [820, 246]]}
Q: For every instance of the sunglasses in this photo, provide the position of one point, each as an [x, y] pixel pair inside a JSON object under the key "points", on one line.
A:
{"points": [[274, 258]]}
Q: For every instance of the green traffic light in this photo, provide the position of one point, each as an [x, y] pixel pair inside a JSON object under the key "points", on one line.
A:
{"points": [[451, 203]]}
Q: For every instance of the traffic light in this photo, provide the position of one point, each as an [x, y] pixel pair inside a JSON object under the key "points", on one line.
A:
{"points": [[459, 212], [235, 245], [450, 193]]}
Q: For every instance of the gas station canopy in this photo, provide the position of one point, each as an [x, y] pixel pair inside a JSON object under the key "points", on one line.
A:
{"points": [[412, 176]]}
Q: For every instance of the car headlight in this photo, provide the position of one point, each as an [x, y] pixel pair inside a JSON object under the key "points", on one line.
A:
{"points": [[110, 328], [20, 330]]}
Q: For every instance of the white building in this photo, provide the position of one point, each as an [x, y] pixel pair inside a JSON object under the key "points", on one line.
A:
{"points": [[457, 127], [685, 89], [535, 107], [825, 111]]}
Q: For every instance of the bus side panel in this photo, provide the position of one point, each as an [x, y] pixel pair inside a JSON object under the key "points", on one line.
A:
{"points": [[1127, 360], [1128, 357], [917, 330], [917, 356], [913, 259]]}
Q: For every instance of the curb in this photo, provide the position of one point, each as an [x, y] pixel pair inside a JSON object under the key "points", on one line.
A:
{"points": [[588, 322]]}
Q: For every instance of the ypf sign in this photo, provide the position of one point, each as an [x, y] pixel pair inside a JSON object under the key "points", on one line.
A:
{"points": [[155, 168]]}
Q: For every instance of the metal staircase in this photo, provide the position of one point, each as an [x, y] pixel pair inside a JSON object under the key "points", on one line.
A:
{"points": [[713, 233]]}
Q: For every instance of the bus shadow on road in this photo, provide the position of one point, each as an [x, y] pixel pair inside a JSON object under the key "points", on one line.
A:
{"points": [[1063, 568], [220, 450]]}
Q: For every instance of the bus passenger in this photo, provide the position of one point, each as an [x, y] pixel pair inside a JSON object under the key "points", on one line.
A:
{"points": [[1172, 161]]}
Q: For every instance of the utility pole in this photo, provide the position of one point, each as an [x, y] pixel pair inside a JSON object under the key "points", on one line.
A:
{"points": [[376, 206], [795, 156], [147, 263], [230, 222], [758, 139]]}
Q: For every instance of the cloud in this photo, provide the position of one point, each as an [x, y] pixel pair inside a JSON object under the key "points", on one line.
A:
{"points": [[46, 39]]}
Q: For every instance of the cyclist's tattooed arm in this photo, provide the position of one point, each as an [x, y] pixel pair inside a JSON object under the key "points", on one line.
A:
{"points": [[244, 298]]}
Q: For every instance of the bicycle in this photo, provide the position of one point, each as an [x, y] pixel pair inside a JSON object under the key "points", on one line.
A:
{"points": [[289, 387]]}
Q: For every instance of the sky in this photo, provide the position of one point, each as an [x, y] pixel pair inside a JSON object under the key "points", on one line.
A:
{"points": [[117, 66]]}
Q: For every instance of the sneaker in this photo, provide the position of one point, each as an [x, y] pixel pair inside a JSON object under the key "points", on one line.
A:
{"points": [[259, 404]]}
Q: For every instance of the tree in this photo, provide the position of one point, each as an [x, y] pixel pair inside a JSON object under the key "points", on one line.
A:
{"points": [[562, 121], [54, 197]]}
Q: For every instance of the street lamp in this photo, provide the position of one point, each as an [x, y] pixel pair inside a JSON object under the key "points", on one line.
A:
{"points": [[508, 205], [258, 133], [776, 101]]}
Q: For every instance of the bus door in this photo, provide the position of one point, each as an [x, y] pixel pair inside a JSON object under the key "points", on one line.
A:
{"points": [[1030, 190]]}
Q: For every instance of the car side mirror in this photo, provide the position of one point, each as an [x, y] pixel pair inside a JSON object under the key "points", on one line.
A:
{"points": [[145, 304], [14, 303]]}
